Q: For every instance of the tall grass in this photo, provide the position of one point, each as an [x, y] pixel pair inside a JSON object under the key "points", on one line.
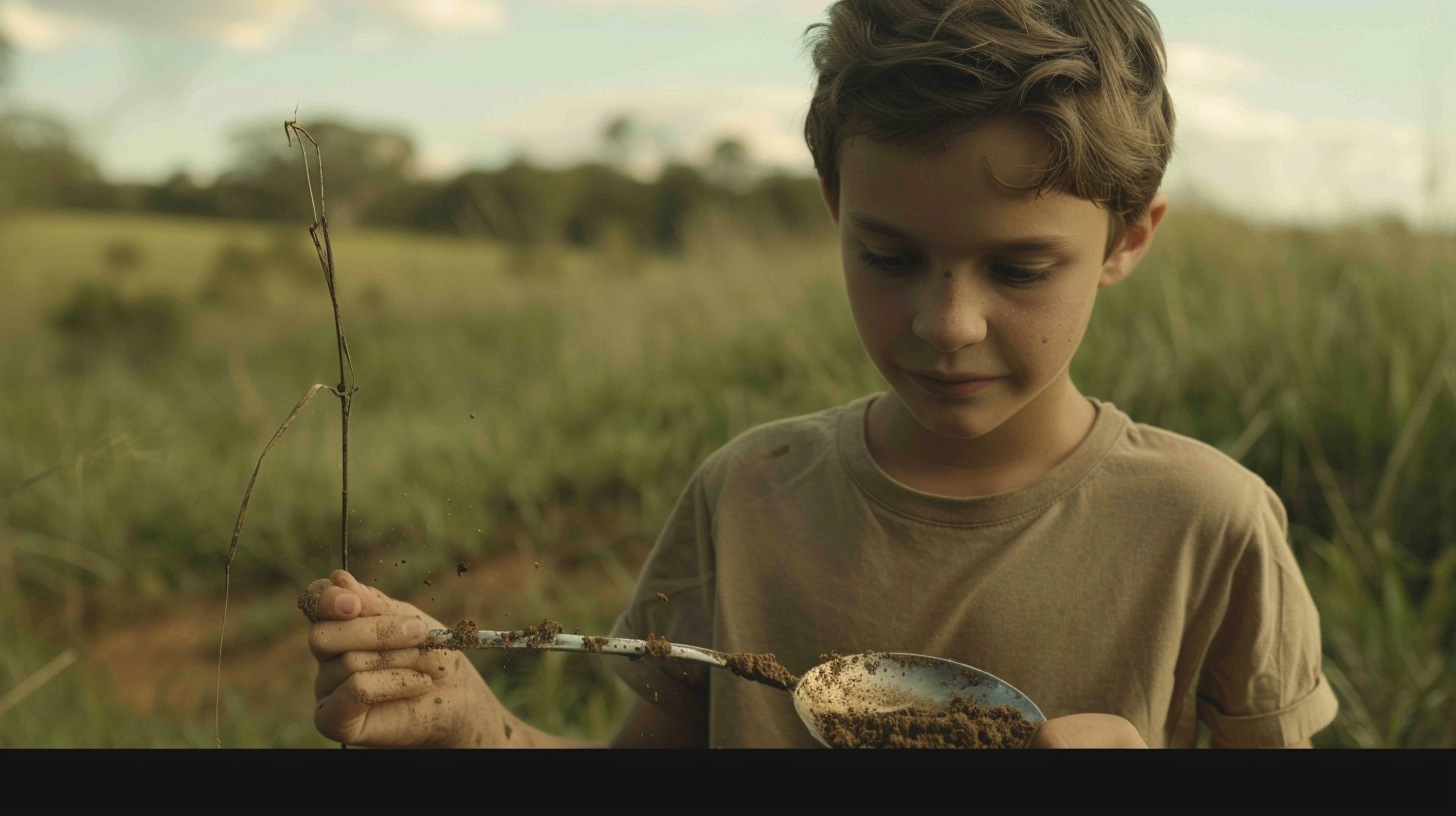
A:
{"points": [[1322, 360]]}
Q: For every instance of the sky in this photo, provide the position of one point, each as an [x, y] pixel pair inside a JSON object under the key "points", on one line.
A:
{"points": [[1296, 110]]}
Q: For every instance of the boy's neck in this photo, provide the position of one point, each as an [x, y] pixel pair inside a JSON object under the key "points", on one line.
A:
{"points": [[1018, 452]]}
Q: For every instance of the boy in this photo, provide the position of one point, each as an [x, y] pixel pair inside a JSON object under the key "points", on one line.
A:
{"points": [[990, 165]]}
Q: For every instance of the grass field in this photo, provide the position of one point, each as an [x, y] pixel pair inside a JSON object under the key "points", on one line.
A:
{"points": [[133, 410]]}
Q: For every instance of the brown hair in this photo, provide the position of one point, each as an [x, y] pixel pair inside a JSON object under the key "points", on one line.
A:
{"points": [[1088, 73]]}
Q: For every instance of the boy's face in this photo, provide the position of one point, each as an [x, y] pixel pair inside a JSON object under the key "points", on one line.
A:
{"points": [[971, 298]]}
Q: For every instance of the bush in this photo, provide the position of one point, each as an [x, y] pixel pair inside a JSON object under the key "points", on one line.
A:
{"points": [[96, 324]]}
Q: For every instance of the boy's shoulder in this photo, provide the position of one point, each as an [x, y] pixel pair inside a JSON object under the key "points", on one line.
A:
{"points": [[1175, 472], [791, 443]]}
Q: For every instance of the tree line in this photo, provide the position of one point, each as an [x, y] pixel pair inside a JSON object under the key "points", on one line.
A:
{"points": [[371, 182]]}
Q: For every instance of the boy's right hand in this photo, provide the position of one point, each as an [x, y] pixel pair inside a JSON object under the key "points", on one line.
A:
{"points": [[376, 687]]}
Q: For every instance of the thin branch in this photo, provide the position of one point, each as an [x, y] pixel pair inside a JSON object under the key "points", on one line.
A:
{"points": [[233, 550]]}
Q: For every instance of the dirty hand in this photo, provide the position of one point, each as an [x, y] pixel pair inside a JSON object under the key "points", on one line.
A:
{"points": [[1087, 731], [376, 687]]}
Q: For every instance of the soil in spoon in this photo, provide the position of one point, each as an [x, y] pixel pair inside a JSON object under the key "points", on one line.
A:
{"points": [[964, 725]]}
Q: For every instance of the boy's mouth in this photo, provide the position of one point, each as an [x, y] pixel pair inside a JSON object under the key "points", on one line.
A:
{"points": [[950, 384]]}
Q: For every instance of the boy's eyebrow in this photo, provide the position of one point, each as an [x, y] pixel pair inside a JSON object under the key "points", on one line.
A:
{"points": [[1030, 243]]}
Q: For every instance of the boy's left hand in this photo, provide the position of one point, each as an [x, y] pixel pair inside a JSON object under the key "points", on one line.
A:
{"points": [[1087, 731]]}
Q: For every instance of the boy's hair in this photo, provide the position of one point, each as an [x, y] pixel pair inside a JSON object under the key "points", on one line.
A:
{"points": [[1088, 73]]}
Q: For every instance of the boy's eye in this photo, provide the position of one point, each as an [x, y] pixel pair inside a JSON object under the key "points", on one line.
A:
{"points": [[902, 262], [1019, 275]]}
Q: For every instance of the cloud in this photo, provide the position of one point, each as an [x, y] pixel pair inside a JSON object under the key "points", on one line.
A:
{"points": [[247, 25], [707, 7], [1271, 163], [31, 28], [442, 16]]}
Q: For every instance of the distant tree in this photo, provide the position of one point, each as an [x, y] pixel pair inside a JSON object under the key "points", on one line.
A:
{"points": [[360, 165], [730, 164], [180, 194], [682, 193], [618, 136], [41, 165], [6, 54]]}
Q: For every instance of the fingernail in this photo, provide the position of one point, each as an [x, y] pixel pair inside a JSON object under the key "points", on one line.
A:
{"points": [[346, 605], [413, 629]]}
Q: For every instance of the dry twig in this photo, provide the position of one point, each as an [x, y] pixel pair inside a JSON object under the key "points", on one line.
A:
{"points": [[319, 232]]}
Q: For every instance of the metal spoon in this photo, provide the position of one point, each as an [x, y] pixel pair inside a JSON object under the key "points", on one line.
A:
{"points": [[875, 682]]}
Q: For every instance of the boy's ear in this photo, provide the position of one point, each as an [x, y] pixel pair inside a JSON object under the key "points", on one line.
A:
{"points": [[1135, 243], [831, 201]]}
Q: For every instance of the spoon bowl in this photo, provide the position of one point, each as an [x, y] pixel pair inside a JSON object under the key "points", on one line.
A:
{"points": [[890, 682]]}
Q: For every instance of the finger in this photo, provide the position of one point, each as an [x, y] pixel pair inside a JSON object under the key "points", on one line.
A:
{"points": [[308, 600], [377, 634], [344, 714], [373, 602], [1087, 731], [333, 672]]}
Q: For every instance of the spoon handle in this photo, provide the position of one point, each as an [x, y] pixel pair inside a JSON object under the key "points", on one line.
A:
{"points": [[586, 644]]}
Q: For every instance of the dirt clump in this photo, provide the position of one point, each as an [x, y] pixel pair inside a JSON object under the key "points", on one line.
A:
{"points": [[309, 603], [964, 725], [463, 635], [657, 646], [762, 668], [540, 637]]}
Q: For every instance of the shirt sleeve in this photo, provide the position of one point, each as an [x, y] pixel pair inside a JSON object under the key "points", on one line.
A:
{"points": [[674, 599], [1262, 684]]}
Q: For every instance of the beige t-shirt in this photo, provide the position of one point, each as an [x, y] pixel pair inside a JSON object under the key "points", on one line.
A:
{"points": [[1147, 575]]}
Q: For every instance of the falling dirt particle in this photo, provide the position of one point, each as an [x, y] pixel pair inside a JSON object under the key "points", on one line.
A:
{"points": [[461, 568], [427, 583], [659, 596], [472, 415], [406, 495], [777, 452], [309, 603], [538, 564], [507, 730], [1044, 340], [404, 561]]}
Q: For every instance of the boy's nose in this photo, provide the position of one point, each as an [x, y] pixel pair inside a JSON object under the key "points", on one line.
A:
{"points": [[950, 314]]}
